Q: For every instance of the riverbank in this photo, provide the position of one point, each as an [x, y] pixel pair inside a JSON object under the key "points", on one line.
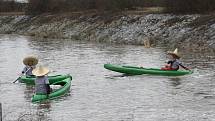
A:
{"points": [[183, 31]]}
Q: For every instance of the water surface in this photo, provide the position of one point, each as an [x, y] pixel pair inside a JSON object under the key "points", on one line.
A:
{"points": [[100, 95]]}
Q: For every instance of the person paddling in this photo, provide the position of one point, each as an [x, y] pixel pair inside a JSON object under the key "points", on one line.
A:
{"points": [[174, 62], [41, 83], [30, 63]]}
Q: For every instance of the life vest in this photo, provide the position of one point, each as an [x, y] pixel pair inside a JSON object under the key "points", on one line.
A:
{"points": [[170, 67]]}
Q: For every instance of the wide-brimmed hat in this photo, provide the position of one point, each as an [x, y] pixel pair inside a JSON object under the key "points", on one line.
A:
{"points": [[40, 71], [175, 52], [30, 60]]}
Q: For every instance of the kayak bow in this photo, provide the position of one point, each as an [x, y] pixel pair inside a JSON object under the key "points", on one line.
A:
{"points": [[52, 79]]}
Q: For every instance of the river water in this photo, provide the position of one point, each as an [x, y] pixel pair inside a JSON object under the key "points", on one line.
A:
{"points": [[100, 95]]}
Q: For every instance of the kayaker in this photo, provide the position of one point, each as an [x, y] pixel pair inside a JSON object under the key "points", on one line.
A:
{"points": [[30, 63], [174, 62], [41, 83]]}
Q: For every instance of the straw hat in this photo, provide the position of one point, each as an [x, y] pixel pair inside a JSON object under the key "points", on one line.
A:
{"points": [[175, 52], [30, 60], [40, 71]]}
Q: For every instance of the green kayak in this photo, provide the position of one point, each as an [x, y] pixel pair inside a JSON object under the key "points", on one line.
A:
{"points": [[65, 87], [52, 79], [138, 70]]}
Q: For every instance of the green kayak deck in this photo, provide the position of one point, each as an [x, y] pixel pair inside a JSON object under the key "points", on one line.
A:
{"points": [[131, 70], [52, 79], [65, 87]]}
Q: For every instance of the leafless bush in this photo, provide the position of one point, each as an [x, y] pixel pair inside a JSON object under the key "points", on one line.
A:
{"points": [[41, 6], [190, 6], [53, 6], [11, 6]]}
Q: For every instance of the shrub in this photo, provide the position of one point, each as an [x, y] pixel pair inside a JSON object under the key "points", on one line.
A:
{"points": [[190, 6]]}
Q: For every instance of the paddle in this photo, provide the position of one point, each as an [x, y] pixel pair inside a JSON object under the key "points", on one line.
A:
{"points": [[21, 75]]}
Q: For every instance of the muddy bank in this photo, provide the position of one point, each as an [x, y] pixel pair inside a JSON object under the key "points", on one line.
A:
{"points": [[196, 31]]}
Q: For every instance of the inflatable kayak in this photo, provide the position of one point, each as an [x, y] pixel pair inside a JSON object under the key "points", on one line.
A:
{"points": [[65, 87], [139, 71], [52, 79]]}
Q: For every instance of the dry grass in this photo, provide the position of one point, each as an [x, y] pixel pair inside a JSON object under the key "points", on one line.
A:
{"points": [[137, 11], [11, 13], [146, 10]]}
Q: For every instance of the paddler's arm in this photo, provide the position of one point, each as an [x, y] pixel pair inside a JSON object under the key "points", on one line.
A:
{"points": [[48, 88], [24, 70], [169, 62]]}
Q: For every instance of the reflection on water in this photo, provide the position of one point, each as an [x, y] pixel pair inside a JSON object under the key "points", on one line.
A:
{"points": [[100, 95], [175, 81], [41, 113], [28, 92]]}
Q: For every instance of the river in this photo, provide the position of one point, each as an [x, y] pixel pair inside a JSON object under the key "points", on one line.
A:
{"points": [[100, 95]]}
